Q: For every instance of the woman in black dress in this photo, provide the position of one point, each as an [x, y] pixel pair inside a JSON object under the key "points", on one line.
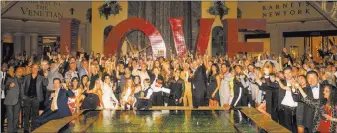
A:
{"points": [[213, 86], [270, 91], [93, 97]]}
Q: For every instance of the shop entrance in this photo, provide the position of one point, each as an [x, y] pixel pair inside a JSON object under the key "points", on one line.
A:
{"points": [[303, 42]]}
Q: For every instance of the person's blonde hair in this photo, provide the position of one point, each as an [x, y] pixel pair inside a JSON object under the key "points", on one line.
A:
{"points": [[269, 65], [11, 71]]}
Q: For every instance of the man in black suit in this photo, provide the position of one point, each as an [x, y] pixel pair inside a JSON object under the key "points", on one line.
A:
{"points": [[198, 80], [286, 103], [3, 77], [32, 95], [315, 90], [57, 105], [13, 100]]}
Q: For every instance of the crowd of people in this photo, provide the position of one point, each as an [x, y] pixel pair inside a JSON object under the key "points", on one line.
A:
{"points": [[298, 93]]}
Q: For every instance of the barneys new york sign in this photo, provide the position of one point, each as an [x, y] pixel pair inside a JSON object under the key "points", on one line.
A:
{"points": [[114, 40]]}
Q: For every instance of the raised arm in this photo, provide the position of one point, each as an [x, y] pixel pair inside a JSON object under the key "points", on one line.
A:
{"points": [[282, 86], [313, 103]]}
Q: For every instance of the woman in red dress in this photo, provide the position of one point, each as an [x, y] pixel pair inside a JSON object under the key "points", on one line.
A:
{"points": [[325, 113]]}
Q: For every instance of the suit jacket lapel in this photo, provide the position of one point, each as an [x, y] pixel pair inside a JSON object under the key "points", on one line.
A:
{"points": [[28, 82], [321, 89], [310, 92]]}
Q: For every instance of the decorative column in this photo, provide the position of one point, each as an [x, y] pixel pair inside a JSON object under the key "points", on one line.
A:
{"points": [[27, 44], [34, 43], [17, 43]]}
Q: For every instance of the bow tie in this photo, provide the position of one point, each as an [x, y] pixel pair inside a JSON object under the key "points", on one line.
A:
{"points": [[312, 87]]}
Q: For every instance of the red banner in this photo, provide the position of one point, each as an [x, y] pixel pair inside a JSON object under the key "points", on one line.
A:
{"points": [[204, 33], [178, 35]]}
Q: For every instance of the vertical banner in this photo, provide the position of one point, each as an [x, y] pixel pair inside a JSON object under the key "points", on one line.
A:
{"points": [[178, 35], [204, 33]]}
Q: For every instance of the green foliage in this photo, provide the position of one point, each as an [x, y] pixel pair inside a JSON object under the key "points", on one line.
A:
{"points": [[109, 8], [218, 8]]}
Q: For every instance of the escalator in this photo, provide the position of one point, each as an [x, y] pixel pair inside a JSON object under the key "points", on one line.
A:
{"points": [[328, 9], [6, 5]]}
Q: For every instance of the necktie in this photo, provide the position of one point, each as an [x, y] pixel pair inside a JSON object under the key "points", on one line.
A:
{"points": [[53, 105]]}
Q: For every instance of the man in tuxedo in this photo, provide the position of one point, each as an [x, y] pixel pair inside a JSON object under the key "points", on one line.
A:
{"points": [[13, 100], [198, 80], [56, 106], [32, 95], [286, 104], [315, 90], [3, 77]]}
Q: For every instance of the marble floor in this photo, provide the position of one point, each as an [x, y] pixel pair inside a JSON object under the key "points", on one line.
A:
{"points": [[165, 119]]}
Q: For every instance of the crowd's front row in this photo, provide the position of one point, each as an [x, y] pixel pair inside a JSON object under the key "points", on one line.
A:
{"points": [[302, 101]]}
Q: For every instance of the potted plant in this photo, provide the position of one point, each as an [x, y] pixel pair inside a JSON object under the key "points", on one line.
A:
{"points": [[218, 8], [109, 8]]}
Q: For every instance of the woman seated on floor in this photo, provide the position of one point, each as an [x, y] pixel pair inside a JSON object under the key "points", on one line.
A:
{"points": [[127, 97]]}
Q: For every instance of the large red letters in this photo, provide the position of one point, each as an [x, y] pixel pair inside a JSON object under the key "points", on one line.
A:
{"points": [[233, 26], [113, 42]]}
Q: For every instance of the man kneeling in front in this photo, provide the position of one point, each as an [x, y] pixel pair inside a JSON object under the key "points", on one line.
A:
{"points": [[56, 105]]}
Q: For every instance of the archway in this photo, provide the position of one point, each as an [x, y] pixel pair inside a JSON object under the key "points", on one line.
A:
{"points": [[113, 42], [107, 30]]}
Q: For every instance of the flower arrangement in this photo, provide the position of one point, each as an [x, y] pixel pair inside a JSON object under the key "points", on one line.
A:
{"points": [[218, 8], [109, 8], [89, 15]]}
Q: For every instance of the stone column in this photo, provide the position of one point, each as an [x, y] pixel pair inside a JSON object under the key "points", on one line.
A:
{"points": [[27, 44], [17, 43], [34, 43]]}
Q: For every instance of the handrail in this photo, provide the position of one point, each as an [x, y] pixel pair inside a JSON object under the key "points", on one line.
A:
{"points": [[4, 10], [317, 7]]}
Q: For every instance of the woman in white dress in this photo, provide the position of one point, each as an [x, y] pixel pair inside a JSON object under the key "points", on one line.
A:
{"points": [[224, 91], [109, 99]]}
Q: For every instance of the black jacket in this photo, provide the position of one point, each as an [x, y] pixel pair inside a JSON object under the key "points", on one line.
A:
{"points": [[309, 112]]}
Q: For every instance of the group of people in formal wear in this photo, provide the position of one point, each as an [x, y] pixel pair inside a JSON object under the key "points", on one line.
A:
{"points": [[298, 93]]}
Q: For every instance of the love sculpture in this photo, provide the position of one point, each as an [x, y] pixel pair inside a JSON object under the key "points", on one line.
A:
{"points": [[113, 42]]}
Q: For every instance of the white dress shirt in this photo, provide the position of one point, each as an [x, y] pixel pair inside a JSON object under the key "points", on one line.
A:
{"points": [[55, 98], [2, 79], [288, 99], [149, 92], [315, 92]]}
